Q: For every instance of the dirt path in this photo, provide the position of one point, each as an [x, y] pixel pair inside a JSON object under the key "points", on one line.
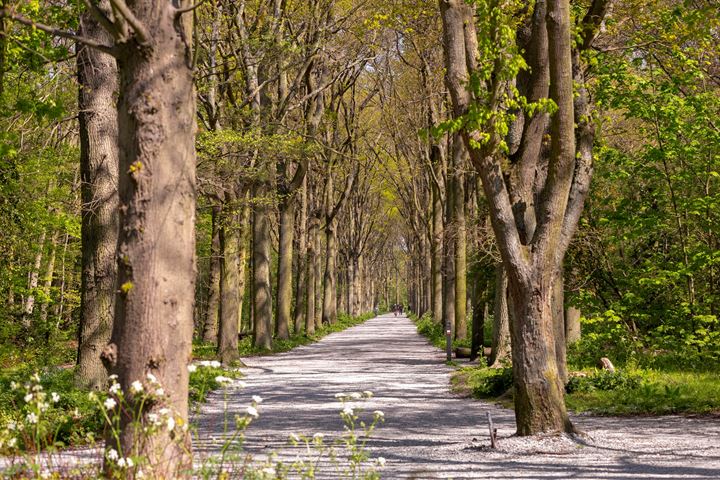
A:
{"points": [[429, 433]]}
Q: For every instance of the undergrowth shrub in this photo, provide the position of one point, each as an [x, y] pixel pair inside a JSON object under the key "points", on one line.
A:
{"points": [[604, 380]]}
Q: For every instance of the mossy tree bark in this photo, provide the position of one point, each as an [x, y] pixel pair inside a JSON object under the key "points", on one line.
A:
{"points": [[152, 332], [99, 157]]}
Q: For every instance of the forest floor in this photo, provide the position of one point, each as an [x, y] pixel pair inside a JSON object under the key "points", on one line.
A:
{"points": [[431, 433]]}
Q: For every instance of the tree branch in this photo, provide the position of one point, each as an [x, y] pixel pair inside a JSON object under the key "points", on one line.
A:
{"points": [[57, 32]]}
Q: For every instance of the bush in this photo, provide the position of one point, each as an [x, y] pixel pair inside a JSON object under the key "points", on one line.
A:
{"points": [[604, 380]]}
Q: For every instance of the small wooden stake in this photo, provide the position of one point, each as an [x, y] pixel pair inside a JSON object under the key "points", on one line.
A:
{"points": [[493, 431]]}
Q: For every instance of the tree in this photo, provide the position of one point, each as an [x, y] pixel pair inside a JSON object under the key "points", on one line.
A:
{"points": [[532, 269], [99, 157]]}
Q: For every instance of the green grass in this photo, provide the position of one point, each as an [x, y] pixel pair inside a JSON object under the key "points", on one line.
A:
{"points": [[626, 392]]}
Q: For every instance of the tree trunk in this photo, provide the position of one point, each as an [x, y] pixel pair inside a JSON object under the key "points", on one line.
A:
{"points": [[310, 278], [47, 284], [300, 294], [500, 348], [33, 279], [229, 287], [572, 325], [459, 154], [317, 265], [285, 256], [558, 311], [210, 328], [539, 390], [449, 263], [153, 325], [437, 255], [262, 304], [329, 313]]}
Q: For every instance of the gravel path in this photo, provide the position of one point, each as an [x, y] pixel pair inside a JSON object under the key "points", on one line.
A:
{"points": [[430, 433]]}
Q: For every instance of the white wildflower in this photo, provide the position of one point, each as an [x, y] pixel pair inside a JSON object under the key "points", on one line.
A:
{"points": [[136, 387], [129, 462], [140, 474], [121, 463], [294, 438], [151, 378], [92, 396], [170, 424], [11, 425], [257, 398], [268, 471], [35, 377], [114, 388], [43, 406], [12, 442], [109, 403], [55, 397], [14, 386], [153, 418], [32, 418], [164, 411], [348, 411], [215, 364], [367, 394], [355, 396], [159, 392], [222, 379], [111, 454], [192, 368], [28, 398], [379, 414], [318, 437], [381, 461], [113, 377], [252, 411], [340, 395]]}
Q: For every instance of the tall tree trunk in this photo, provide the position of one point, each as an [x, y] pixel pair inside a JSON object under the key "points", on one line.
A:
{"points": [[152, 332], [262, 304], [300, 294], [572, 325], [285, 256], [558, 312], [243, 261], [47, 284], [229, 286], [500, 348], [329, 312], [449, 261], [33, 279], [437, 255], [459, 161], [310, 306], [317, 265], [210, 328]]}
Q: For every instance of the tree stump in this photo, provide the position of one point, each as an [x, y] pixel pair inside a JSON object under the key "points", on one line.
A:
{"points": [[605, 364]]}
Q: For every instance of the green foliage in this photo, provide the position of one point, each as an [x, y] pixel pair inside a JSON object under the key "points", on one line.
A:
{"points": [[603, 380], [485, 382], [657, 393]]}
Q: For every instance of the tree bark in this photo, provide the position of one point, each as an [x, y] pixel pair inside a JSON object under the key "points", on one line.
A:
{"points": [[210, 328], [310, 278], [285, 254], [572, 325], [317, 265], [300, 294], [153, 325], [99, 157], [460, 271], [262, 304], [229, 287], [500, 348], [437, 255]]}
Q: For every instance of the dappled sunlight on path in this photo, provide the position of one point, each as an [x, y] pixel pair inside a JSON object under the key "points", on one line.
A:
{"points": [[430, 433]]}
